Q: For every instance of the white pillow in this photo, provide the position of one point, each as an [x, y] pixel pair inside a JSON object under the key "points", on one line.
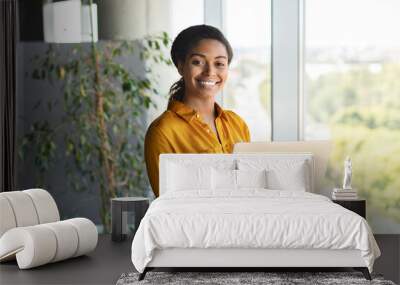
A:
{"points": [[251, 178], [293, 178], [223, 179], [182, 177], [282, 174]]}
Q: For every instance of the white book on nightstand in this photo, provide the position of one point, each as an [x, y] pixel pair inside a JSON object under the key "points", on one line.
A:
{"points": [[344, 191], [344, 194]]}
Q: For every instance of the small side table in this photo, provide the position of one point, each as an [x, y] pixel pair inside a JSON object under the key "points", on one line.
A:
{"points": [[358, 206], [120, 207]]}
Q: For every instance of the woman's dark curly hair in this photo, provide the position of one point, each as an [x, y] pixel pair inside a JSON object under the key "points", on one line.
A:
{"points": [[184, 42]]}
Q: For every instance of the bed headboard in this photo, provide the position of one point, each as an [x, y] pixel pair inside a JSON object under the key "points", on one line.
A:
{"points": [[227, 161]]}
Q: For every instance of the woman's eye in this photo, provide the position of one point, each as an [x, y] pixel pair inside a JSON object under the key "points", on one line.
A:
{"points": [[196, 62], [220, 64]]}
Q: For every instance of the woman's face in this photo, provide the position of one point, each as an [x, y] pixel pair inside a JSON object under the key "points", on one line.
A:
{"points": [[205, 69]]}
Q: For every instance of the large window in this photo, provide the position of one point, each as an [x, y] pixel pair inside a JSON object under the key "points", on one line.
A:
{"points": [[352, 96], [351, 86], [248, 91]]}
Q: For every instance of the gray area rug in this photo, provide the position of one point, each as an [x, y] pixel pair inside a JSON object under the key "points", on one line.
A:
{"points": [[225, 278]]}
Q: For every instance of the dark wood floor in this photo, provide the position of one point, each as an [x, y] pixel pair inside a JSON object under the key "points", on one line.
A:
{"points": [[110, 260], [103, 266]]}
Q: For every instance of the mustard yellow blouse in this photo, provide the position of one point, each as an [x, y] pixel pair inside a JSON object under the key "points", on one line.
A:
{"points": [[181, 130]]}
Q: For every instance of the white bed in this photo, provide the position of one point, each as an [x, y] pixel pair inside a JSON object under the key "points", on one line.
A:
{"points": [[218, 224]]}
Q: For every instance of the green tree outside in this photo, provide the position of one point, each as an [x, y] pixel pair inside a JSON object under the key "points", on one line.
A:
{"points": [[361, 106]]}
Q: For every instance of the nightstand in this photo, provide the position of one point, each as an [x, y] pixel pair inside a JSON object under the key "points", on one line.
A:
{"points": [[123, 208], [358, 206]]}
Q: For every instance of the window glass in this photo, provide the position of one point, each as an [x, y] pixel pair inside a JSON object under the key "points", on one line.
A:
{"points": [[185, 14], [352, 96], [248, 90]]}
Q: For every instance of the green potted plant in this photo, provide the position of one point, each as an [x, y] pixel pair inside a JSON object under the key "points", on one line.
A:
{"points": [[104, 104]]}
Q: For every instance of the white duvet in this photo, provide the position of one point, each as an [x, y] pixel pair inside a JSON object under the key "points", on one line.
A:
{"points": [[252, 218]]}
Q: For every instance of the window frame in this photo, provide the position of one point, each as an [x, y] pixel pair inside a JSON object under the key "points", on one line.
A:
{"points": [[287, 64]]}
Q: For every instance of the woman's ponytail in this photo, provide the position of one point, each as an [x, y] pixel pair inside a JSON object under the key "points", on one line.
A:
{"points": [[177, 91]]}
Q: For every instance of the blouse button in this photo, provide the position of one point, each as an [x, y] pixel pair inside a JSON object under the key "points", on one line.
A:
{"points": [[208, 130], [197, 116]]}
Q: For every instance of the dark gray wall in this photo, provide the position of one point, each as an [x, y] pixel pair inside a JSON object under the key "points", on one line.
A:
{"points": [[70, 203]]}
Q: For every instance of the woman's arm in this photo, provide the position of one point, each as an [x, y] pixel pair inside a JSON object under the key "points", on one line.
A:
{"points": [[247, 132], [155, 143]]}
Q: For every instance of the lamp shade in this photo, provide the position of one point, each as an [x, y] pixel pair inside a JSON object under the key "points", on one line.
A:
{"points": [[68, 22], [86, 31]]}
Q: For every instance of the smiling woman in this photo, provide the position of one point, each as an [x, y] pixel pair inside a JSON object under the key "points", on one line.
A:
{"points": [[193, 121]]}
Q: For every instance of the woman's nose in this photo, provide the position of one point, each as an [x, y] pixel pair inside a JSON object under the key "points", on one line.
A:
{"points": [[209, 69]]}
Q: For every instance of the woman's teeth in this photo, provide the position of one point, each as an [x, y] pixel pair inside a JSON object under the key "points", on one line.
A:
{"points": [[207, 83]]}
